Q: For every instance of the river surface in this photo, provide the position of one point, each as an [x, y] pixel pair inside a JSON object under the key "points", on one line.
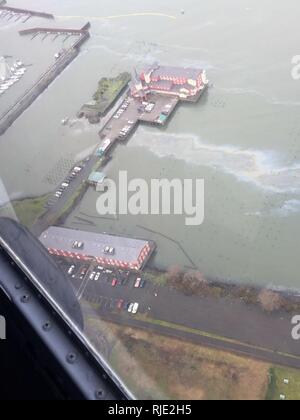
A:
{"points": [[243, 137]]}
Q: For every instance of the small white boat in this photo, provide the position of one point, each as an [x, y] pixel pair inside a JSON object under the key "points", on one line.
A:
{"points": [[65, 121]]}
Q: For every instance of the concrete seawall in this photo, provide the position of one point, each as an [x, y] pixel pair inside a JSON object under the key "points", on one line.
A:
{"points": [[30, 96]]}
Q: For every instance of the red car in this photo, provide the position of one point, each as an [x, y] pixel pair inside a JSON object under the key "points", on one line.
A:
{"points": [[114, 282], [120, 304]]}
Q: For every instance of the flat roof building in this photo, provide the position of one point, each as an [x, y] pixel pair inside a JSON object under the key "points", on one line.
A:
{"points": [[96, 178], [107, 250]]}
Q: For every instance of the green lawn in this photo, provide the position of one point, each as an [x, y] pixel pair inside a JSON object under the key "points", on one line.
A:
{"points": [[27, 210], [277, 386], [157, 278], [108, 91]]}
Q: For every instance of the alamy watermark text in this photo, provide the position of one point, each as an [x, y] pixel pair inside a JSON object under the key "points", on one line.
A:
{"points": [[156, 197]]}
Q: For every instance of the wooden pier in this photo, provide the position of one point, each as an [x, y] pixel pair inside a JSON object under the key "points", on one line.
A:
{"points": [[57, 31], [25, 11]]}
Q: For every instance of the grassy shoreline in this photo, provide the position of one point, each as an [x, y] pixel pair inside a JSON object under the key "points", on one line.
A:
{"points": [[109, 90], [28, 210]]}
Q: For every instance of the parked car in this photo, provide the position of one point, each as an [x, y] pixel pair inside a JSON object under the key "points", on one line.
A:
{"points": [[135, 308], [130, 307], [137, 283], [114, 282], [143, 284], [92, 276], [120, 304], [97, 277], [83, 272], [71, 269]]}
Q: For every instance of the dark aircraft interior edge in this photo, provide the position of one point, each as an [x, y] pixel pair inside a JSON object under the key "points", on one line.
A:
{"points": [[42, 358]]}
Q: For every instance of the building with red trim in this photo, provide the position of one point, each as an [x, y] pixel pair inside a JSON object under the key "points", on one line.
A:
{"points": [[107, 250], [185, 83]]}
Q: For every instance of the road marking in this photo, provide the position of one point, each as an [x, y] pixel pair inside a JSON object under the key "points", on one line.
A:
{"points": [[84, 286], [77, 294]]}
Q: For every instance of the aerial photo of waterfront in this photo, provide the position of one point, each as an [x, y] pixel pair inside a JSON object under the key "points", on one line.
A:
{"points": [[162, 89]]}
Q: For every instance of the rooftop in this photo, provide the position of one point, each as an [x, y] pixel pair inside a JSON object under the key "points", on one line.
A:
{"points": [[97, 177], [126, 250], [174, 71]]}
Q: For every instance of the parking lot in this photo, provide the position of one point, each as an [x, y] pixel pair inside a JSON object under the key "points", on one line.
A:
{"points": [[156, 110], [64, 186], [111, 290], [123, 122]]}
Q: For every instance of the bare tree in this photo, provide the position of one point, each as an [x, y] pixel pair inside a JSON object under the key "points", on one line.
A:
{"points": [[194, 282], [270, 301], [174, 276]]}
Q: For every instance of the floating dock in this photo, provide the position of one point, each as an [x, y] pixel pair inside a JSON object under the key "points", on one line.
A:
{"points": [[8, 118], [57, 31]]}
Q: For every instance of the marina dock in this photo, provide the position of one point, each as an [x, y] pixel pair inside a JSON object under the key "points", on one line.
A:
{"points": [[57, 31], [63, 60], [30, 13]]}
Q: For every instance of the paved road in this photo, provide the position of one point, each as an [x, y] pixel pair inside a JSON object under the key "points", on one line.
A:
{"points": [[267, 355]]}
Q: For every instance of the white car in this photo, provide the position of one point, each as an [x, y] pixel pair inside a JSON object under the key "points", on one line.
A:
{"points": [[92, 276], [71, 269], [135, 308], [137, 283], [97, 276], [130, 309]]}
